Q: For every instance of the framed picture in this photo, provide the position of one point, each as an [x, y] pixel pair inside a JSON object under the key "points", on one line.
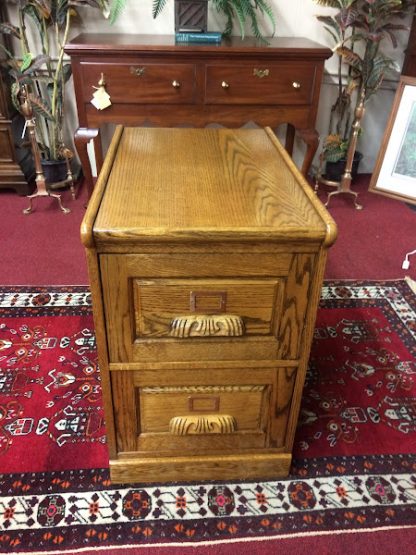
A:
{"points": [[395, 170]]}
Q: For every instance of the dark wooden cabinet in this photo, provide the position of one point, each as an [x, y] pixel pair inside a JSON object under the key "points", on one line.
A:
{"points": [[16, 168], [409, 65], [150, 79]]}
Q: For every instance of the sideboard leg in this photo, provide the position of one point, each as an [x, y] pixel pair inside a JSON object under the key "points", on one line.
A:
{"points": [[311, 138], [82, 137], [290, 138]]}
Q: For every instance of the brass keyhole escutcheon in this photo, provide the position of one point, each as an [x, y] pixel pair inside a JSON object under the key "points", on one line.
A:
{"points": [[138, 71], [260, 73]]}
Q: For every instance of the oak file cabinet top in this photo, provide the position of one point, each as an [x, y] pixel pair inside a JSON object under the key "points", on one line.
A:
{"points": [[202, 185]]}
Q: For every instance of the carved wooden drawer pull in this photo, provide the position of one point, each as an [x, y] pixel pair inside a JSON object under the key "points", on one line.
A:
{"points": [[176, 84], [207, 325], [139, 71], [206, 424], [296, 85]]}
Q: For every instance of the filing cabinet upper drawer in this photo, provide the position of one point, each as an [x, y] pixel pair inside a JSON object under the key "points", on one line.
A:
{"points": [[222, 409], [204, 307], [185, 308], [137, 82], [283, 83]]}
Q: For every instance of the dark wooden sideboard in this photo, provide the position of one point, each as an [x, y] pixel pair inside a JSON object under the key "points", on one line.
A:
{"points": [[152, 80]]}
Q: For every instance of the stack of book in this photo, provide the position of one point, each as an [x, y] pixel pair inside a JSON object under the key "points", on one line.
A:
{"points": [[193, 36]]}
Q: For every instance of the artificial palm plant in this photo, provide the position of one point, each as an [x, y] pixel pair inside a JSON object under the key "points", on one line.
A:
{"points": [[41, 31], [242, 11], [359, 29]]}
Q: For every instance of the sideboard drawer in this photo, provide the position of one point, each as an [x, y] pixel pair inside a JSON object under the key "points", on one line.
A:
{"points": [[283, 83], [130, 83]]}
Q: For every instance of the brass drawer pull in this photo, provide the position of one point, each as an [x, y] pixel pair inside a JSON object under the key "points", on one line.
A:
{"points": [[138, 71], [102, 82], [225, 85], [176, 84], [260, 73], [296, 85], [207, 325], [206, 424]]}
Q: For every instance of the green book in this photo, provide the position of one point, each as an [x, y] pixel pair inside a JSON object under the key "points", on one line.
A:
{"points": [[198, 37]]}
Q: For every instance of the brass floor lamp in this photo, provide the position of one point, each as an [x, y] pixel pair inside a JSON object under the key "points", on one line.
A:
{"points": [[41, 186], [344, 185]]}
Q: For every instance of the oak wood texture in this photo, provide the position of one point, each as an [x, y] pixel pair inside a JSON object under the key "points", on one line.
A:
{"points": [[203, 224], [151, 79]]}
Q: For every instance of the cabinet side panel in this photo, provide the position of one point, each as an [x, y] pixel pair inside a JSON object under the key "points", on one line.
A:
{"points": [[295, 304], [125, 410], [100, 332], [314, 297]]}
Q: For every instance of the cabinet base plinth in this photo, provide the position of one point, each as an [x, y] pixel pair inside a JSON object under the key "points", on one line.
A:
{"points": [[227, 467]]}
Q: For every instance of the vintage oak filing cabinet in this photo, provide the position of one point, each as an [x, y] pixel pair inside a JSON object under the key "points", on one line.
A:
{"points": [[206, 252]]}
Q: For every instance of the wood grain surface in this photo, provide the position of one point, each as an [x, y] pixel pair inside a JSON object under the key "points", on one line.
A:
{"points": [[233, 183], [206, 228]]}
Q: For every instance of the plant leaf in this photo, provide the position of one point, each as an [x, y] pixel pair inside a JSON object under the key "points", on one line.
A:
{"points": [[158, 6], [40, 107], [9, 29], [116, 8], [26, 61], [36, 64]]}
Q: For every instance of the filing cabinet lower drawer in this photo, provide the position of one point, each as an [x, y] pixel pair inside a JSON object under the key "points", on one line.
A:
{"points": [[199, 411]]}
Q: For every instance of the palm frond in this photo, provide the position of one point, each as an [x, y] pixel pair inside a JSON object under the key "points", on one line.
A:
{"points": [[158, 6], [117, 6], [225, 7], [246, 12]]}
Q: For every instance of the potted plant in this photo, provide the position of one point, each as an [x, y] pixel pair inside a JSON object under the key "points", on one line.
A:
{"points": [[242, 11], [41, 32], [358, 29]]}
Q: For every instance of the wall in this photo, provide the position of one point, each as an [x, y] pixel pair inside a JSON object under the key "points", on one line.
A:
{"points": [[297, 20]]}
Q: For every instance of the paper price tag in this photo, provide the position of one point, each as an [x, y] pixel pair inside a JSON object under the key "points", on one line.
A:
{"points": [[101, 99]]}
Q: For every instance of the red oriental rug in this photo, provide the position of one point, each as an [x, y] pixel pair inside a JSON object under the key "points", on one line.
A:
{"points": [[354, 466]]}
